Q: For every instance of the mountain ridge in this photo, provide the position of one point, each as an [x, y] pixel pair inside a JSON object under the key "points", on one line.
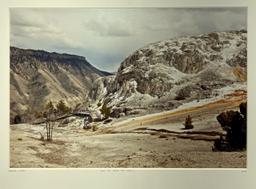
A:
{"points": [[38, 76]]}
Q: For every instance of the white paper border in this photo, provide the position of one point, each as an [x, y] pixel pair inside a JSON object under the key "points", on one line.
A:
{"points": [[125, 178]]}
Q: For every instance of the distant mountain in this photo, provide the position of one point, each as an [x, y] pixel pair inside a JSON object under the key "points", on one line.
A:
{"points": [[165, 74], [38, 76]]}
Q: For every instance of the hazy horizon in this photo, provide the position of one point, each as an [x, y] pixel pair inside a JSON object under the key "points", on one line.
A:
{"points": [[106, 36]]}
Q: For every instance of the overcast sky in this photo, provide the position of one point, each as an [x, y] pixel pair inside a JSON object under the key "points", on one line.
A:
{"points": [[106, 36]]}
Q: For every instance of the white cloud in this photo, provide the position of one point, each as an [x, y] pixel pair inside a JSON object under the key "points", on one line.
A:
{"points": [[107, 36], [34, 28], [113, 28]]}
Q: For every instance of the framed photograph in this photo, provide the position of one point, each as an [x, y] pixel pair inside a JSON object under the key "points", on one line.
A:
{"points": [[127, 94]]}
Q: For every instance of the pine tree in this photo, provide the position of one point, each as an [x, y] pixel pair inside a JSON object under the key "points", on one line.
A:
{"points": [[49, 108], [62, 108]]}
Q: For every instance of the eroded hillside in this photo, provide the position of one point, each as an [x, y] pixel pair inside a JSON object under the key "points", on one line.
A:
{"points": [[166, 74], [39, 76]]}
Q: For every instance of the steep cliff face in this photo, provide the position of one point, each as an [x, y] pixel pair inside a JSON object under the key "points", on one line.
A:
{"points": [[184, 68], [38, 76]]}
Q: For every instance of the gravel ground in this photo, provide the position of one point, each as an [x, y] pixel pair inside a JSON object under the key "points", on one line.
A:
{"points": [[132, 143], [125, 150]]}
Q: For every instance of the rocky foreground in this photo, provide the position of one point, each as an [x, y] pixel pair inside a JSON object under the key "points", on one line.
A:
{"points": [[153, 141]]}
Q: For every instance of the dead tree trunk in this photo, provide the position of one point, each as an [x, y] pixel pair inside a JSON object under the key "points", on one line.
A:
{"points": [[50, 122]]}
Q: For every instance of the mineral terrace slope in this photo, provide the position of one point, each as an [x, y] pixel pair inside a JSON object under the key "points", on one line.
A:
{"points": [[166, 74]]}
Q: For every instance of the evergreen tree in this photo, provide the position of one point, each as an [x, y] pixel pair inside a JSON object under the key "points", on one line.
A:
{"points": [[62, 108], [105, 110]]}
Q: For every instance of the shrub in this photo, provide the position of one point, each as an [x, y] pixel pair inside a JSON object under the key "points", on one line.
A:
{"points": [[94, 128], [17, 119], [188, 123], [38, 115], [62, 108], [105, 110], [183, 94], [49, 108]]}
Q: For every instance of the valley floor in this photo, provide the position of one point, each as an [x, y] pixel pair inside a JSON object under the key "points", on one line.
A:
{"points": [[152, 141]]}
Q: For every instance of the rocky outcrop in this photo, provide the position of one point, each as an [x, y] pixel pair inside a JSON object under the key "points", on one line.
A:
{"points": [[234, 123], [180, 69], [100, 88]]}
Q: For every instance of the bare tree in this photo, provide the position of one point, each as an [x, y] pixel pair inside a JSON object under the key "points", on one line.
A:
{"points": [[50, 120], [50, 123]]}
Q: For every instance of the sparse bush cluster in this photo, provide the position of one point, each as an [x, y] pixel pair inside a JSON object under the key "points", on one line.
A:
{"points": [[188, 123], [60, 109], [234, 123]]}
